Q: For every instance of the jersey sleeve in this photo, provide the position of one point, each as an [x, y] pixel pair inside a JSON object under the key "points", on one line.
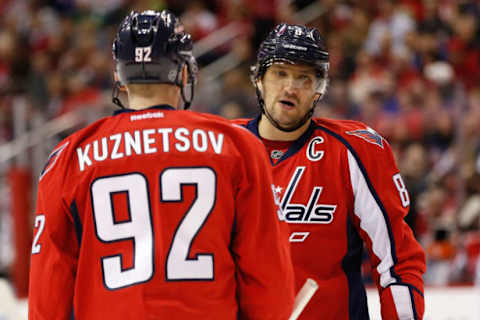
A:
{"points": [[55, 247], [381, 203], [260, 247]]}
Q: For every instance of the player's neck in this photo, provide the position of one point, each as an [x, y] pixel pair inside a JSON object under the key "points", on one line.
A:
{"points": [[270, 132], [157, 96]]}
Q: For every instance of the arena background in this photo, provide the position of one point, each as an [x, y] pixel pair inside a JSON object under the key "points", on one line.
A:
{"points": [[409, 69]]}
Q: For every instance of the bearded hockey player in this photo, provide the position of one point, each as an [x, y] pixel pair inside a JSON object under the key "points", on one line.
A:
{"points": [[337, 184]]}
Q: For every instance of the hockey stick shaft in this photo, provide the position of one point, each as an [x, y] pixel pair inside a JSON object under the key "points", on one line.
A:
{"points": [[303, 297]]}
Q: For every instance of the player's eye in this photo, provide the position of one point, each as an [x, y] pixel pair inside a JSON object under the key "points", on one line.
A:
{"points": [[305, 80], [280, 73], [304, 77]]}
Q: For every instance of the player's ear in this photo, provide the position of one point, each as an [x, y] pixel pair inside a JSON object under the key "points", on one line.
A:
{"points": [[184, 75], [116, 79]]}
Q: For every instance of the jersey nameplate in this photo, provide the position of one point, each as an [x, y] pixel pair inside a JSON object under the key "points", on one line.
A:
{"points": [[148, 141]]}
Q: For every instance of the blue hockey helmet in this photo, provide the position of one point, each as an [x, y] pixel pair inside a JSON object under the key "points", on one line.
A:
{"points": [[151, 47], [293, 44]]}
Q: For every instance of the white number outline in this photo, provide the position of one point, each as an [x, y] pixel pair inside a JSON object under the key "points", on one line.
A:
{"points": [[40, 224], [172, 181], [402, 189], [179, 267], [115, 276]]}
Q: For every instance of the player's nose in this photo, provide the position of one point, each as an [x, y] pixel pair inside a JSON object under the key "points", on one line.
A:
{"points": [[291, 92], [292, 86]]}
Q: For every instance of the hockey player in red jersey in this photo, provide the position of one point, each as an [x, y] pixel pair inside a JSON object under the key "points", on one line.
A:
{"points": [[338, 185], [156, 213]]}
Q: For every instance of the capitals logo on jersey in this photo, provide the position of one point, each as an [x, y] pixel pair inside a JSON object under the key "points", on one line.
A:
{"points": [[368, 135], [304, 213]]}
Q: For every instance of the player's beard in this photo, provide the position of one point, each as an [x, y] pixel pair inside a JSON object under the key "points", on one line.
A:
{"points": [[284, 120]]}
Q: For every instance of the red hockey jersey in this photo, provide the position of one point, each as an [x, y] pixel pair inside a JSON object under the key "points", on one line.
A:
{"points": [[341, 191], [159, 214]]}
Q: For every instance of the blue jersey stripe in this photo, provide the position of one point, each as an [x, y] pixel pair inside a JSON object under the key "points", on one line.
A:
{"points": [[77, 222], [351, 265]]}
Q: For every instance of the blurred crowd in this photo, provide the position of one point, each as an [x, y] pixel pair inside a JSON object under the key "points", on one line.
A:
{"points": [[409, 69]]}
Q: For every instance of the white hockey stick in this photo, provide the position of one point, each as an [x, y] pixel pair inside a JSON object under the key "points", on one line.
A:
{"points": [[303, 297]]}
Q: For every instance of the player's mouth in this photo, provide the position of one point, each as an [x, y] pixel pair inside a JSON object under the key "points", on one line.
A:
{"points": [[289, 104]]}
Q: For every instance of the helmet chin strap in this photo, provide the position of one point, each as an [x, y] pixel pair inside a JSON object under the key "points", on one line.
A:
{"points": [[267, 114], [187, 102], [115, 93]]}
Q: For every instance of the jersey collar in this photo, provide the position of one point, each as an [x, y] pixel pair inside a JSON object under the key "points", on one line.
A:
{"points": [[160, 106], [252, 125]]}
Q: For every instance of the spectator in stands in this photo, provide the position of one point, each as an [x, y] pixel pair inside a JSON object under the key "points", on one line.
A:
{"points": [[414, 167], [411, 67], [440, 253]]}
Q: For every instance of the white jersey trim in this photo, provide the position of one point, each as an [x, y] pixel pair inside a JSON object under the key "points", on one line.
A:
{"points": [[403, 303], [372, 221]]}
